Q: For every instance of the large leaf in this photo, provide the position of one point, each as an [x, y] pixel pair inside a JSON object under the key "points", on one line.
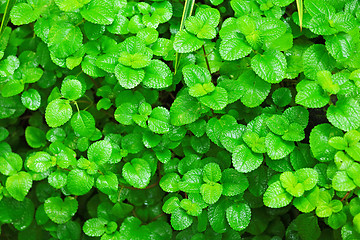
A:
{"points": [[345, 115], [18, 185], [276, 196], [270, 66], [137, 173], [60, 211]]}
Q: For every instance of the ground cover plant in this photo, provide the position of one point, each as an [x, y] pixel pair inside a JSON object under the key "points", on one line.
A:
{"points": [[172, 119]]}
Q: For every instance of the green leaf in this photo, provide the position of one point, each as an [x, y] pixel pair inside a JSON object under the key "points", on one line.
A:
{"points": [[79, 182], [180, 220], [64, 39], [107, 183], [60, 211], [137, 173], [290, 183], [212, 173], [276, 196], [71, 89], [58, 179], [253, 89], [35, 137], [159, 120], [341, 46], [186, 42], [270, 66], [276, 147], [308, 177], [193, 209], [70, 5], [18, 185], [83, 123], [95, 227], [342, 182], [244, 160], [10, 163], [23, 13], [278, 124], [233, 182], [128, 77], [170, 182], [40, 162], [157, 75], [216, 100], [234, 48], [171, 205], [31, 99], [319, 137], [99, 12], [316, 58], [211, 192], [58, 112], [238, 216], [184, 110], [308, 201], [282, 97], [100, 152], [194, 74], [12, 88], [345, 115]]}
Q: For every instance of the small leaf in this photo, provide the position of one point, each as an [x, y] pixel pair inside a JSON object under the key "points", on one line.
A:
{"points": [[345, 115], [137, 173], [83, 123], [233, 49], [211, 192], [128, 77], [79, 182], [244, 160], [58, 112], [95, 227], [157, 75], [270, 66], [60, 211], [10, 163], [186, 42], [276, 196], [238, 216], [277, 148], [71, 89], [31, 99], [18, 185], [159, 120], [180, 220]]}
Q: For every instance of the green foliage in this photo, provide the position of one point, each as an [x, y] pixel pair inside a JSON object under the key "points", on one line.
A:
{"points": [[167, 119]]}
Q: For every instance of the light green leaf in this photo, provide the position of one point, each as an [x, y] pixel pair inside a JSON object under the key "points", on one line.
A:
{"points": [[254, 90], [128, 77], [159, 121], [341, 46], [71, 89], [99, 12], [35, 137], [345, 115], [170, 182], [270, 66], [79, 182], [319, 137], [184, 110], [211, 192], [58, 112], [278, 124], [100, 152], [180, 220], [157, 75], [342, 182], [83, 123], [234, 48], [317, 58], [216, 100], [60, 211], [31, 99], [137, 173], [23, 13], [238, 216], [40, 162], [186, 42], [64, 39], [95, 227], [70, 5], [10, 163], [18, 185], [244, 160], [276, 196], [194, 74], [276, 147], [107, 183], [311, 95]]}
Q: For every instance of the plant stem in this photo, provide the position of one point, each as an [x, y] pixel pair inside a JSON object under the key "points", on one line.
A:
{"points": [[206, 59]]}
